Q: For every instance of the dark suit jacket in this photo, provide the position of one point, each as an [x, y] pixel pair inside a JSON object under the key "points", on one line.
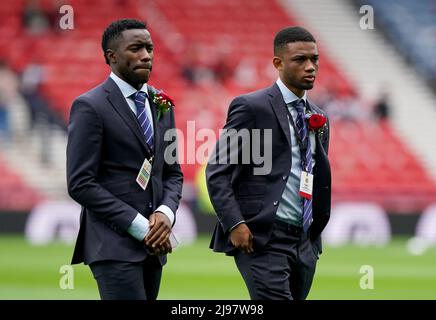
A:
{"points": [[106, 148], [237, 194]]}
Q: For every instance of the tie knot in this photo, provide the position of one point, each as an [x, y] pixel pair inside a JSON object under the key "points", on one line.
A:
{"points": [[140, 96], [299, 105]]}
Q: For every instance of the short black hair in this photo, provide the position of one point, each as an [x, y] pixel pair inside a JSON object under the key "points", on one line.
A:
{"points": [[291, 34], [114, 30]]}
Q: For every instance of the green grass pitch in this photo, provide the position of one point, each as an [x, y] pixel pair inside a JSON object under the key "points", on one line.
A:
{"points": [[194, 272]]}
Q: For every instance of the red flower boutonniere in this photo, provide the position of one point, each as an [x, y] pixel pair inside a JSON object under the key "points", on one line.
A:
{"points": [[316, 122], [163, 103]]}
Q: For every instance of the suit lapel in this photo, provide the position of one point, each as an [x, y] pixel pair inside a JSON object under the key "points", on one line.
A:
{"points": [[320, 154], [118, 102], [279, 108], [319, 151], [153, 108]]}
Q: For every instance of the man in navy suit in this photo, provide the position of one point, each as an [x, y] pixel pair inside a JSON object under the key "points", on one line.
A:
{"points": [[115, 130], [271, 223]]}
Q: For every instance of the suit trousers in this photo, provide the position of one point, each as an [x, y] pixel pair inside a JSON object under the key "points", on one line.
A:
{"points": [[283, 269], [120, 280]]}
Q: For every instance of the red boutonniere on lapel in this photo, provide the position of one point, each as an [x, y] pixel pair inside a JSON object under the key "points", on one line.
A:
{"points": [[316, 122], [163, 103]]}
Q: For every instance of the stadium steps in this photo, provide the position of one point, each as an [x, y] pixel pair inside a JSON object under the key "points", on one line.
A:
{"points": [[24, 155], [15, 194], [372, 63]]}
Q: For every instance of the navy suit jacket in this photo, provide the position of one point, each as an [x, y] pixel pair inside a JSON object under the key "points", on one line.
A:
{"points": [[106, 148], [237, 194]]}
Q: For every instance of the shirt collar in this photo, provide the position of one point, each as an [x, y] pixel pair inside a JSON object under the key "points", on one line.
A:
{"points": [[126, 89], [287, 94]]}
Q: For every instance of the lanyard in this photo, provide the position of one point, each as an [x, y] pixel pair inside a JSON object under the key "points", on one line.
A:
{"points": [[303, 147]]}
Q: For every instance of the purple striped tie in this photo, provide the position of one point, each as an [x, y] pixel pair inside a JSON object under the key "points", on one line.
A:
{"points": [[306, 158], [144, 121]]}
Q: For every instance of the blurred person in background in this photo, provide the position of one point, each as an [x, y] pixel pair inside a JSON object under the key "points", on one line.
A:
{"points": [[382, 108], [190, 64], [34, 19], [32, 79], [8, 93], [222, 65], [271, 223], [115, 133], [41, 118]]}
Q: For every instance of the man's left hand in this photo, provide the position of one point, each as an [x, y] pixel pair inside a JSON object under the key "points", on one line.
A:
{"points": [[160, 229]]}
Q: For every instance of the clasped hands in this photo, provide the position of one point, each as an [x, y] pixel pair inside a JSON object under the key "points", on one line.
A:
{"points": [[158, 238]]}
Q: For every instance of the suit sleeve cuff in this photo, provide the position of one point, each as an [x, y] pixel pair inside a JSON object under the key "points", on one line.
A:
{"points": [[237, 224], [139, 227], [167, 211]]}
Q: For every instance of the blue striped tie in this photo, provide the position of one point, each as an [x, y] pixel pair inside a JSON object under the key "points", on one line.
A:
{"points": [[306, 158], [144, 121]]}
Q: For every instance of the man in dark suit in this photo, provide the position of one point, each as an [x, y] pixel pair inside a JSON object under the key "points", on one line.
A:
{"points": [[271, 222], [115, 130]]}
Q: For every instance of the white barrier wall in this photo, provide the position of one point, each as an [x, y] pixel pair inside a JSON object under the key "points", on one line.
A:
{"points": [[360, 223], [53, 220], [60, 220]]}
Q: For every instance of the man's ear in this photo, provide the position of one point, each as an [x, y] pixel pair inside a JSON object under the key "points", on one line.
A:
{"points": [[110, 55], [278, 63]]}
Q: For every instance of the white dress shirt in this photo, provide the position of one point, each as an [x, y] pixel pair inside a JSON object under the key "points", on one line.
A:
{"points": [[291, 205]]}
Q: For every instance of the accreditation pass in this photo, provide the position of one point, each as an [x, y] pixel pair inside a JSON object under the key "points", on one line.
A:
{"points": [[144, 173], [306, 185]]}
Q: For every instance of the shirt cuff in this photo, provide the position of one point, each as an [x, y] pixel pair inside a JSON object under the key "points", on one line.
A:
{"points": [[139, 227], [167, 211], [236, 225]]}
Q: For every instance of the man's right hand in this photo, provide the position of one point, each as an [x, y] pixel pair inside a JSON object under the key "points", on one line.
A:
{"points": [[242, 238], [160, 250]]}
